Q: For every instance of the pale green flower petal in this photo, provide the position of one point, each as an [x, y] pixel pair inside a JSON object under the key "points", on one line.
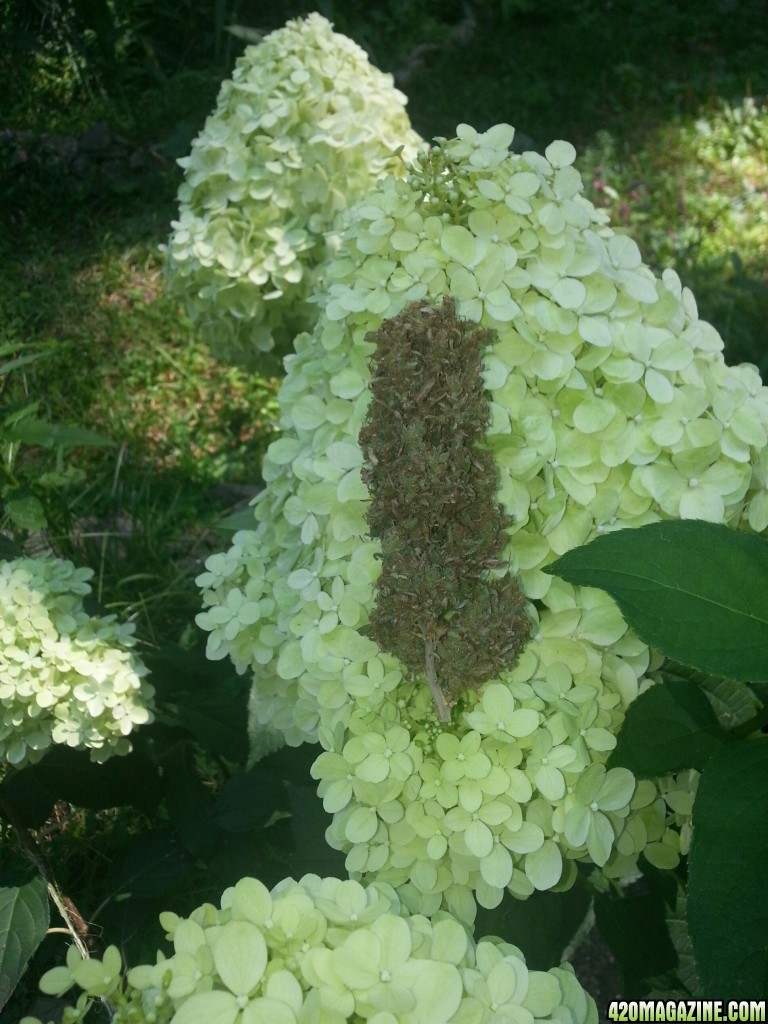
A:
{"points": [[240, 956], [357, 962], [600, 838], [702, 503], [268, 1011], [544, 867], [560, 154], [437, 987], [616, 790], [497, 866], [459, 244], [57, 981], [569, 293], [208, 1008], [251, 901], [577, 824], [479, 839]]}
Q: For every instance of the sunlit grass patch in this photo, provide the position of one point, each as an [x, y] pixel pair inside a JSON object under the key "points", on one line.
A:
{"points": [[188, 432], [693, 192]]}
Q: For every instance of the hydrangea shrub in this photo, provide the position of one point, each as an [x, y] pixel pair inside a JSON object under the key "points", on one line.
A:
{"points": [[65, 676], [609, 406], [301, 131], [321, 951]]}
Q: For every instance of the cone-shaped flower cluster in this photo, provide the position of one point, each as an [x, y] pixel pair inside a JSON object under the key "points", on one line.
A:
{"points": [[434, 508], [608, 406], [65, 676], [303, 129], [322, 951]]}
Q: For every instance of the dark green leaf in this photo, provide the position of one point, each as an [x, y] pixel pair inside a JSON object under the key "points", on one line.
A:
{"points": [[39, 432], [667, 987], [249, 800], [732, 703], [669, 727], [187, 799], [242, 519], [26, 797], [542, 926], [293, 763], [760, 690], [19, 414], [241, 854], [727, 891], [10, 347], [24, 918], [677, 922], [8, 550], [218, 721], [309, 822], [206, 698], [70, 775], [14, 364], [26, 512], [177, 670], [252, 797], [695, 591], [634, 927], [152, 864]]}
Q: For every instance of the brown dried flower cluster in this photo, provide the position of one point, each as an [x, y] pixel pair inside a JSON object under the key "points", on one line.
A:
{"points": [[439, 606]]}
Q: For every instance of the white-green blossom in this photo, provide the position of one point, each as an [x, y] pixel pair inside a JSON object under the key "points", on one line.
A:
{"points": [[65, 676], [302, 129], [610, 407], [322, 951]]}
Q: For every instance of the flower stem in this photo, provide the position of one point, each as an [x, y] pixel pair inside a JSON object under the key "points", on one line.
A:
{"points": [[443, 711], [71, 916]]}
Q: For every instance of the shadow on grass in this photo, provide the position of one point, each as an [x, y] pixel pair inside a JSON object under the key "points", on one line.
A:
{"points": [[561, 70], [147, 537]]}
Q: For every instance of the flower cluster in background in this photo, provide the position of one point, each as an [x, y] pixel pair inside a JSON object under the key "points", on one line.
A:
{"points": [[322, 949], [610, 407], [65, 676], [300, 132]]}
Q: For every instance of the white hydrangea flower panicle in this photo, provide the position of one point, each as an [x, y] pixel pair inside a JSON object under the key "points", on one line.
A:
{"points": [[65, 677], [322, 949], [610, 406], [302, 130]]}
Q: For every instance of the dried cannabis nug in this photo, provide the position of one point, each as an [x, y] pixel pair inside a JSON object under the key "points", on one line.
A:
{"points": [[433, 506]]}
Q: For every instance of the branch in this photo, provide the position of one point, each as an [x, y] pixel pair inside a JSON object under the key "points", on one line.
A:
{"points": [[443, 711], [71, 916]]}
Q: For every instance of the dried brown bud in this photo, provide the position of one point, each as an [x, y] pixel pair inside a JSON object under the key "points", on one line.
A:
{"points": [[439, 608]]}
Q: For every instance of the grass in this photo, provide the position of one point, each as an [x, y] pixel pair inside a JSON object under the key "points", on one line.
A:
{"points": [[188, 434], [693, 192]]}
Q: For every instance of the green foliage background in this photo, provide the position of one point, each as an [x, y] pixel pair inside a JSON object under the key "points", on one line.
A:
{"points": [[666, 105]]}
